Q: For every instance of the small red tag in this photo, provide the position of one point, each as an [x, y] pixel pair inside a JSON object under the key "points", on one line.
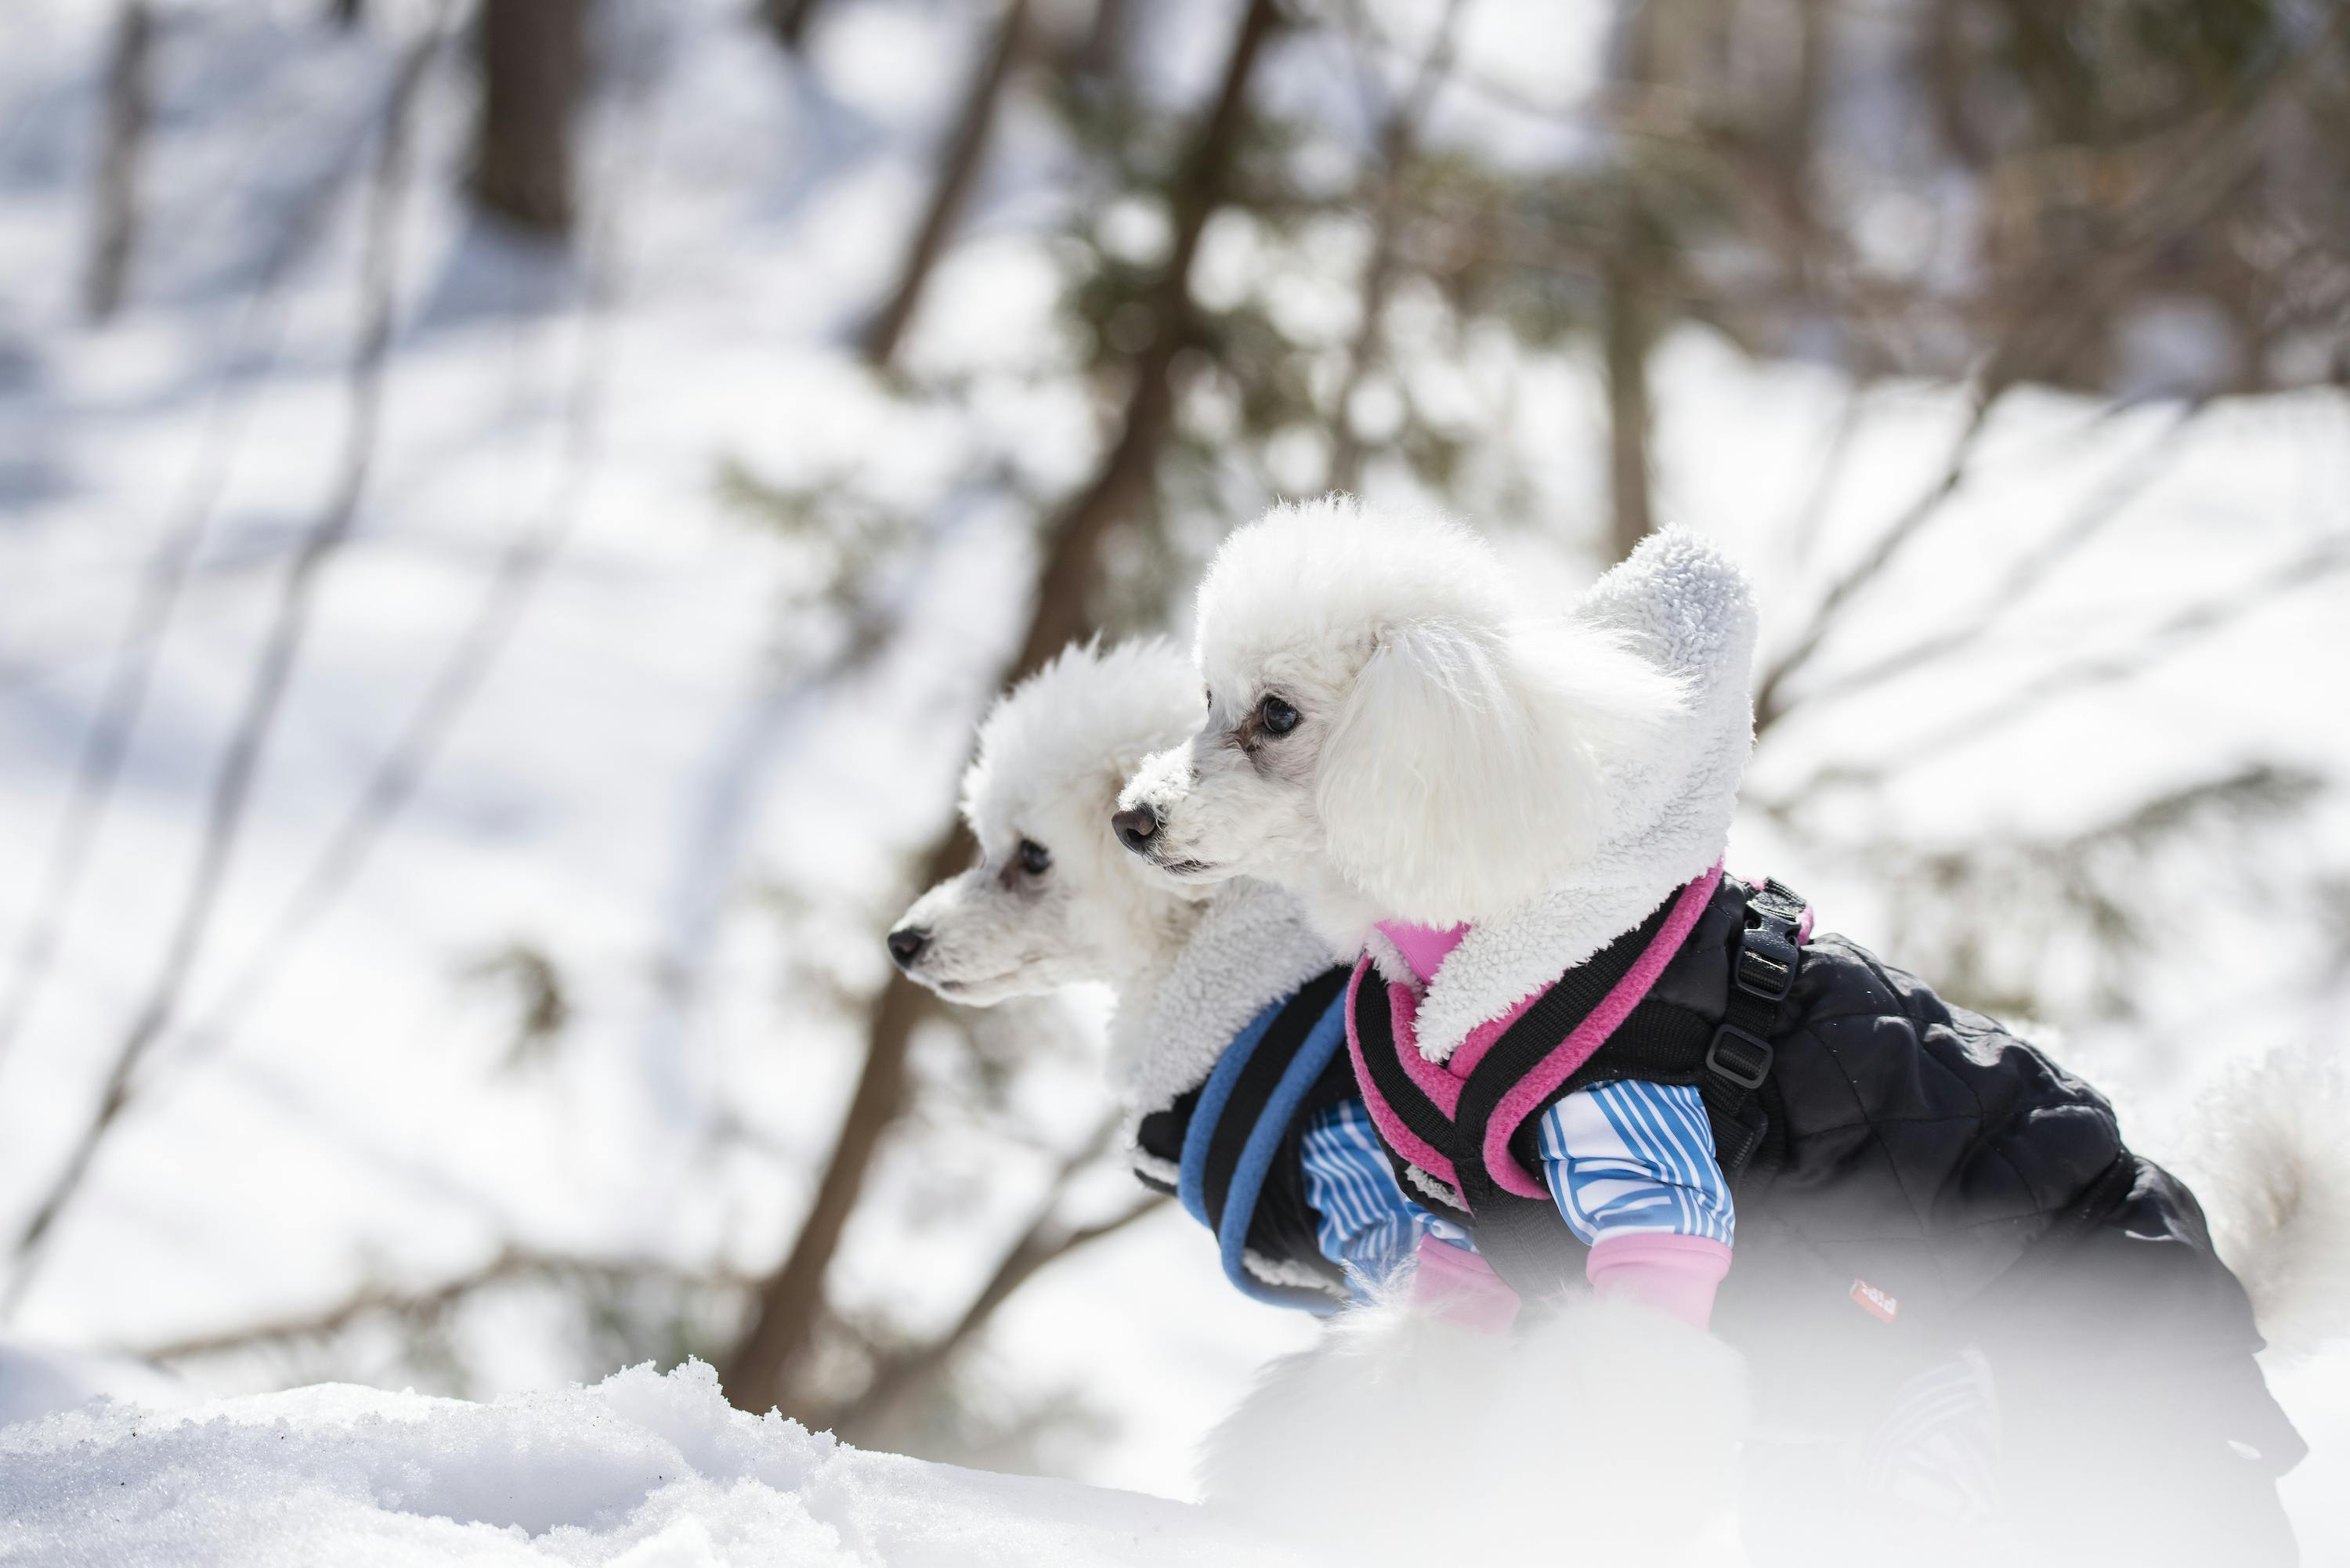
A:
{"points": [[1873, 1301]]}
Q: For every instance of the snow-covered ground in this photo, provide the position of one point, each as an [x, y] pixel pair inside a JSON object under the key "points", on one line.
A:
{"points": [[640, 1471]]}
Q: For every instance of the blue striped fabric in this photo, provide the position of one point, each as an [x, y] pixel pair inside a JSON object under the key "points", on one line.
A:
{"points": [[1363, 1222], [1633, 1158], [1622, 1159]]}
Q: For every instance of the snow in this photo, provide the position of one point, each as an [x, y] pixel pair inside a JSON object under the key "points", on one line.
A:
{"points": [[647, 1470], [640, 1471], [653, 754]]}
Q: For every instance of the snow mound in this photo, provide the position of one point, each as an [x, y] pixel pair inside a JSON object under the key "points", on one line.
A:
{"points": [[40, 1380], [640, 1471]]}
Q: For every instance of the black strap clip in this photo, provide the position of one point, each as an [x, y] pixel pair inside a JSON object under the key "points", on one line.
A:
{"points": [[1746, 1063]]}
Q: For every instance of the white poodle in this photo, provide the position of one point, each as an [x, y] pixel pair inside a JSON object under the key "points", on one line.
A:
{"points": [[1403, 740], [1055, 900], [1393, 734]]}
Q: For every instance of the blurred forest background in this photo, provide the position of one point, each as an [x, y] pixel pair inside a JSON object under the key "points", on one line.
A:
{"points": [[509, 510]]}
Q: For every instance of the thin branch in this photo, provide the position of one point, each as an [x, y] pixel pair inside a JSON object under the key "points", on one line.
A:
{"points": [[519, 570], [905, 1378], [2178, 632], [966, 150], [2055, 311], [374, 1299], [232, 785], [1398, 144], [1802, 530], [2108, 502], [1768, 702], [129, 110], [251, 343], [1045, 1239]]}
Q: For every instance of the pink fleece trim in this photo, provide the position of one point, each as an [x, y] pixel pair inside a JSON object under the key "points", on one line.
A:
{"points": [[1529, 1092], [1434, 1082], [1471, 1050], [1400, 1138], [1674, 1275], [1423, 947], [1461, 1287]]}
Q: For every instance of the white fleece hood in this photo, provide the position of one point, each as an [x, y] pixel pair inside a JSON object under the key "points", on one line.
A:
{"points": [[1251, 948], [1681, 604]]}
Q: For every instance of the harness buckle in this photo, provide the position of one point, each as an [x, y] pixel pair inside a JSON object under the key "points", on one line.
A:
{"points": [[1747, 1074], [1774, 898]]}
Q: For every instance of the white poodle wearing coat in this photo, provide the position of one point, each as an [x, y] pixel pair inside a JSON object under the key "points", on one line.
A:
{"points": [[1394, 736]]}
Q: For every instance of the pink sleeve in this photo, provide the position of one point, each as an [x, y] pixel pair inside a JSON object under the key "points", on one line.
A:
{"points": [[1674, 1274]]}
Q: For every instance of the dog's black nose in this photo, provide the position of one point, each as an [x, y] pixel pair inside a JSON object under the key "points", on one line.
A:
{"points": [[1136, 827], [906, 945]]}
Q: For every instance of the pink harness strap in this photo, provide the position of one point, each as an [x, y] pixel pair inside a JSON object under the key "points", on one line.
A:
{"points": [[1400, 1138], [1587, 1036], [1442, 1084]]}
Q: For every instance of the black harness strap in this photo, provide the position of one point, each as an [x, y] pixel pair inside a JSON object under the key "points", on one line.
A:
{"points": [[1525, 1239], [1260, 1075], [1375, 1027], [1527, 1043], [1738, 1060]]}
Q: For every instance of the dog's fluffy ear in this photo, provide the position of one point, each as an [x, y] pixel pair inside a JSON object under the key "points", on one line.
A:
{"points": [[1468, 768]]}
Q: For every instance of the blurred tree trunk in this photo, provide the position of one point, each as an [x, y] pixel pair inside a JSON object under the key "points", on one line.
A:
{"points": [[966, 147], [1398, 145], [788, 20], [533, 62], [1629, 333], [1628, 326], [130, 107], [347, 13], [1097, 57], [792, 1300]]}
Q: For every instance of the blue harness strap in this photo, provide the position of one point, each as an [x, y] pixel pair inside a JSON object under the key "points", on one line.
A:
{"points": [[1220, 1185], [1190, 1183]]}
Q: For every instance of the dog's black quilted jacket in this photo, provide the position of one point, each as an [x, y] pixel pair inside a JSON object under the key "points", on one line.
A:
{"points": [[1931, 1180]]}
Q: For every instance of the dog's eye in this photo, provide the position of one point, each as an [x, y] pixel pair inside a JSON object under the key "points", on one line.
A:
{"points": [[1277, 716], [1034, 858]]}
